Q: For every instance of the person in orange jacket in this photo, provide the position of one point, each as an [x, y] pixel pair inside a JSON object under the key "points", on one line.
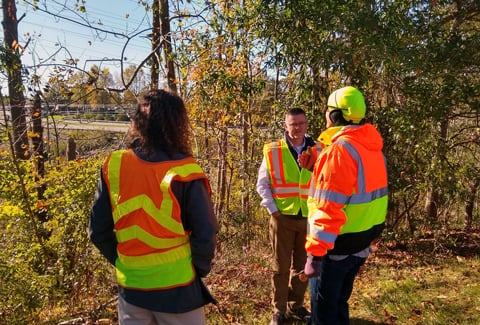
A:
{"points": [[347, 205], [152, 218]]}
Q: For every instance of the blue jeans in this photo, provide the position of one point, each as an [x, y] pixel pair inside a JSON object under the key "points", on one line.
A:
{"points": [[332, 289]]}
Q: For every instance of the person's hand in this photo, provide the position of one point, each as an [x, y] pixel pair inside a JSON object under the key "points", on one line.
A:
{"points": [[308, 158], [276, 214], [312, 266]]}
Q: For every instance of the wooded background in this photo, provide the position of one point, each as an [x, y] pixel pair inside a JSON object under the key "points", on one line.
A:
{"points": [[239, 65]]}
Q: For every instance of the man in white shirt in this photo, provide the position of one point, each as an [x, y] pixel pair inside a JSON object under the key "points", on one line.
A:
{"points": [[283, 187]]}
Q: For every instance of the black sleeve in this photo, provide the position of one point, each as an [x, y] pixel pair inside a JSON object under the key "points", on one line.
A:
{"points": [[198, 218], [309, 142], [101, 223]]}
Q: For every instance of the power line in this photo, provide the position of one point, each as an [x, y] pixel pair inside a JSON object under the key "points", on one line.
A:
{"points": [[88, 44]]}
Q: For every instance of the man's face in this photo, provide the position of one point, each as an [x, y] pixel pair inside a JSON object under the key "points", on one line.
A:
{"points": [[296, 126]]}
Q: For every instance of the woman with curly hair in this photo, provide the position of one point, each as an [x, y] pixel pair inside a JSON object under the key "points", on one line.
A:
{"points": [[152, 218]]}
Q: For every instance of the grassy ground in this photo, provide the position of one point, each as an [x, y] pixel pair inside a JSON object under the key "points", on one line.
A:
{"points": [[431, 280]]}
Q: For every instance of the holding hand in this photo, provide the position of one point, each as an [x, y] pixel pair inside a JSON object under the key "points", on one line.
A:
{"points": [[308, 158], [312, 266]]}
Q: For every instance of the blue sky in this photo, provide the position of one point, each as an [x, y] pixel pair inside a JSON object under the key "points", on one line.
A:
{"points": [[49, 32], [56, 32]]}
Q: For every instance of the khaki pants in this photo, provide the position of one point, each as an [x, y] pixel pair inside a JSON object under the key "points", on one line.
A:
{"points": [[129, 314], [287, 236]]}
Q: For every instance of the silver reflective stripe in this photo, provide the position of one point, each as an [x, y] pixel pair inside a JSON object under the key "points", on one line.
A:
{"points": [[368, 197], [304, 191], [276, 166], [319, 233], [324, 236], [355, 155], [362, 196], [285, 190], [354, 199], [330, 196]]}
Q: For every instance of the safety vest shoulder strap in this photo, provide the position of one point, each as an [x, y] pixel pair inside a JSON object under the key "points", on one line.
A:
{"points": [[124, 167], [185, 170]]}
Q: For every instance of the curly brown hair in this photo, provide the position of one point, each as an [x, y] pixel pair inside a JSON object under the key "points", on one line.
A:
{"points": [[161, 122]]}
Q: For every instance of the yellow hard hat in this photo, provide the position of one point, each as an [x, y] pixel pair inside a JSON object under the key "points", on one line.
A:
{"points": [[350, 101]]}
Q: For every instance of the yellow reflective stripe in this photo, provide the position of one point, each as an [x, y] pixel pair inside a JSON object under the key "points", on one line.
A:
{"points": [[136, 232], [160, 276], [144, 202], [183, 171], [164, 269], [169, 256], [113, 174]]}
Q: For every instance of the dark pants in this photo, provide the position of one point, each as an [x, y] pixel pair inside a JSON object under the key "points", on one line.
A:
{"points": [[332, 289], [287, 235]]}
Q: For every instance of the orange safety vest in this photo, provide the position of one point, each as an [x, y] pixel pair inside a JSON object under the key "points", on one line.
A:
{"points": [[289, 183], [153, 247]]}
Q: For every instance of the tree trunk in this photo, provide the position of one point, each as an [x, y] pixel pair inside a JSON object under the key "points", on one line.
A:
{"points": [[155, 65], [431, 204], [432, 201], [245, 166], [71, 149], [39, 158], [167, 45], [14, 75], [470, 204], [222, 172], [433, 197]]}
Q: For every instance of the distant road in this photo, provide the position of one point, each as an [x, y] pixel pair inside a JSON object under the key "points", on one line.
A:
{"points": [[67, 124], [77, 124]]}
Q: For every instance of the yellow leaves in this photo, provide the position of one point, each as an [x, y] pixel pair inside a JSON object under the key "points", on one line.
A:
{"points": [[15, 45], [33, 135], [11, 210]]}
